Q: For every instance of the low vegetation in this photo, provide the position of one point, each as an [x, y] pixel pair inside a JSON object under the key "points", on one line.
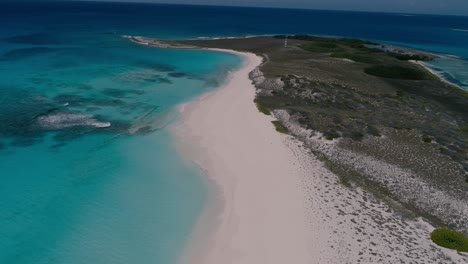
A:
{"points": [[465, 128], [263, 109], [449, 238], [406, 57], [396, 72], [350, 42], [427, 139], [279, 127], [322, 47], [356, 56], [355, 49], [390, 119], [331, 134]]}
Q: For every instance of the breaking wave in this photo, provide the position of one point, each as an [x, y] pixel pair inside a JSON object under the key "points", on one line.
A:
{"points": [[67, 120], [460, 29]]}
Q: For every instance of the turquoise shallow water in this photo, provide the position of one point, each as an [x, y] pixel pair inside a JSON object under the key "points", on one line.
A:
{"points": [[88, 173], [454, 70], [88, 170], [97, 200], [76, 190]]}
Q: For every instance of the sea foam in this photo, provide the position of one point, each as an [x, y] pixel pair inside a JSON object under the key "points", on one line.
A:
{"points": [[66, 120]]}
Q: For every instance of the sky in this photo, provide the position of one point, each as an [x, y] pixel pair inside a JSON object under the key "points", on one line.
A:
{"points": [[450, 7]]}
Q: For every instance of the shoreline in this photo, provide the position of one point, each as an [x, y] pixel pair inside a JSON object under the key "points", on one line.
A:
{"points": [[271, 201], [232, 226], [437, 74], [175, 45], [207, 222]]}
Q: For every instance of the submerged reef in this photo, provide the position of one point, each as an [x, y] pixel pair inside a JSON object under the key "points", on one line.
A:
{"points": [[34, 39], [26, 117], [23, 53]]}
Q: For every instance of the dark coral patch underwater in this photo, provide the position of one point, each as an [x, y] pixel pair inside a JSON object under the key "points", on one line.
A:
{"points": [[33, 39], [23, 53]]}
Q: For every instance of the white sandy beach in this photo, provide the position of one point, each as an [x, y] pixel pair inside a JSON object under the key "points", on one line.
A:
{"points": [[271, 202], [262, 217]]}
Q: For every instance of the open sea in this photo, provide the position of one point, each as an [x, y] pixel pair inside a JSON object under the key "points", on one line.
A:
{"points": [[88, 171]]}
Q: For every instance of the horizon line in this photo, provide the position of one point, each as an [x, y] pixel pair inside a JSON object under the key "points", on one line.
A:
{"points": [[240, 6]]}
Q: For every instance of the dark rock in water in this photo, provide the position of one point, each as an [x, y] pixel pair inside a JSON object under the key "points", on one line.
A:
{"points": [[18, 54], [33, 39], [177, 74]]}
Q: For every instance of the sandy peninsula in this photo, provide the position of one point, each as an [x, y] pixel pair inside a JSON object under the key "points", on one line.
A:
{"points": [[272, 201]]}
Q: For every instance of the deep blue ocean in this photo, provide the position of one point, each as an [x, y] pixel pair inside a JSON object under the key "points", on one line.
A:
{"points": [[88, 171]]}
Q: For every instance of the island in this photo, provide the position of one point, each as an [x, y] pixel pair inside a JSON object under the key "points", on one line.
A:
{"points": [[381, 138]]}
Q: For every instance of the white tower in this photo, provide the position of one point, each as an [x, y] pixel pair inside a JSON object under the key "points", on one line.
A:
{"points": [[286, 42]]}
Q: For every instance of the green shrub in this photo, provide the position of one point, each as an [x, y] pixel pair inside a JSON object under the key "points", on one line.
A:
{"points": [[263, 109], [279, 127], [356, 135], [321, 47], [396, 72], [465, 128], [331, 134], [372, 130], [406, 57], [354, 43], [327, 45], [427, 139], [448, 238]]}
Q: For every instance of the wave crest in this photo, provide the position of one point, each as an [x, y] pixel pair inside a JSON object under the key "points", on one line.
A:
{"points": [[67, 120]]}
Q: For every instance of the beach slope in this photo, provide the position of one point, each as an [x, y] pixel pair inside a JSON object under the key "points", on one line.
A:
{"points": [[271, 201], [260, 207]]}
